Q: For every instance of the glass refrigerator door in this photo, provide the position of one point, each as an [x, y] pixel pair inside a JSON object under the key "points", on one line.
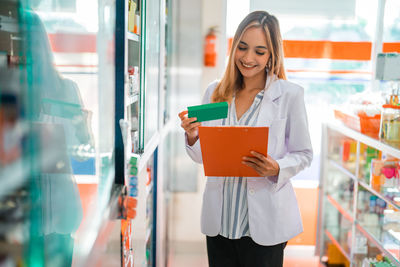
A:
{"points": [[59, 109], [142, 66], [16, 160], [152, 69]]}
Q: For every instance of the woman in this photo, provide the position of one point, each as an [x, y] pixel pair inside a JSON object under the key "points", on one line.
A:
{"points": [[249, 220]]}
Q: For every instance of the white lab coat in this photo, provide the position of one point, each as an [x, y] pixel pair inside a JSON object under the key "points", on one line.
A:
{"points": [[274, 216]]}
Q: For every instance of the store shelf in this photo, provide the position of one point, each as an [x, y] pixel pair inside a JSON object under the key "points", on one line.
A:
{"points": [[385, 243], [342, 169], [132, 99], [388, 201], [168, 127], [148, 234], [394, 235], [148, 189], [148, 151], [336, 243], [365, 139], [153, 143], [343, 211], [378, 244], [132, 36], [366, 186]]}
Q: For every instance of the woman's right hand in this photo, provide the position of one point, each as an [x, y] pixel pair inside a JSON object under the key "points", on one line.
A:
{"points": [[190, 126]]}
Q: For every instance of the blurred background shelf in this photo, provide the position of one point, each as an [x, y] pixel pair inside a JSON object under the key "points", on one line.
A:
{"points": [[370, 209], [379, 245], [362, 138], [343, 211], [337, 244], [387, 200], [342, 169]]}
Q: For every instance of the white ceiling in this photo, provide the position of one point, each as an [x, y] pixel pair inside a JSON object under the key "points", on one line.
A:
{"points": [[313, 8]]}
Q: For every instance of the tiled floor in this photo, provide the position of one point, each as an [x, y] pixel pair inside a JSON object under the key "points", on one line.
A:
{"points": [[300, 256], [195, 255]]}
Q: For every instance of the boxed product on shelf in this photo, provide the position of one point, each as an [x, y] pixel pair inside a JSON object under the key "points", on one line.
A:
{"points": [[391, 222], [387, 66], [136, 29], [379, 261], [135, 140], [133, 80], [385, 173], [368, 155], [376, 180], [348, 150], [360, 247]]}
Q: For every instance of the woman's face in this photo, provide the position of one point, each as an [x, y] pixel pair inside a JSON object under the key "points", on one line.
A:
{"points": [[252, 55]]}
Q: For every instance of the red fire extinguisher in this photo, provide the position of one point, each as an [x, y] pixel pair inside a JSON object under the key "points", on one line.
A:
{"points": [[210, 51]]}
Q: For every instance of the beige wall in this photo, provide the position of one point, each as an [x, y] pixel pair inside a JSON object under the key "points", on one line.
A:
{"points": [[186, 207]]}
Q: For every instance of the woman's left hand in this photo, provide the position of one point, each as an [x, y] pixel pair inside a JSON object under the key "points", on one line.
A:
{"points": [[263, 165]]}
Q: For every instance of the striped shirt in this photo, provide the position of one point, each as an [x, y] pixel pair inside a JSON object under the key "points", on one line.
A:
{"points": [[235, 221]]}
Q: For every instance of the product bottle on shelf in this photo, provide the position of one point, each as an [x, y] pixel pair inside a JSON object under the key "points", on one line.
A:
{"points": [[136, 28], [133, 80], [390, 124], [390, 172], [135, 141], [370, 153], [377, 180], [131, 15]]}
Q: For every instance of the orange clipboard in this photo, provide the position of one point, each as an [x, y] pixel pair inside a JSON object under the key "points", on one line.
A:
{"points": [[223, 148]]}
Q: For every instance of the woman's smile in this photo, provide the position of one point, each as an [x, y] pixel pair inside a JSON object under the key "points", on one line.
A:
{"points": [[249, 66]]}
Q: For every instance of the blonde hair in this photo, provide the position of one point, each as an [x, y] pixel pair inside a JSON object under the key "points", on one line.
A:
{"points": [[233, 79]]}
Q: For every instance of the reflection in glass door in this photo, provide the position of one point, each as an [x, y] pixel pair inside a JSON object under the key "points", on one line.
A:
{"points": [[58, 59]]}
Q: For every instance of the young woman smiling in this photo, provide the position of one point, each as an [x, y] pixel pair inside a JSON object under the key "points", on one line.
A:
{"points": [[248, 220]]}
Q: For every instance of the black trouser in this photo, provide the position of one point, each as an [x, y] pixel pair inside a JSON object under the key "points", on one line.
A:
{"points": [[243, 252]]}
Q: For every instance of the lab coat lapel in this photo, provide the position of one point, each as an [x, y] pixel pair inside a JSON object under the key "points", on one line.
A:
{"points": [[269, 109]]}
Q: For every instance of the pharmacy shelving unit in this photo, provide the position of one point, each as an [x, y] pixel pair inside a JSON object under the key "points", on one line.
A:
{"points": [[140, 124], [349, 222]]}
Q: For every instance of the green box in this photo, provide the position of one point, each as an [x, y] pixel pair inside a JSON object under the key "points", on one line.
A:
{"points": [[208, 112], [133, 161], [133, 171]]}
